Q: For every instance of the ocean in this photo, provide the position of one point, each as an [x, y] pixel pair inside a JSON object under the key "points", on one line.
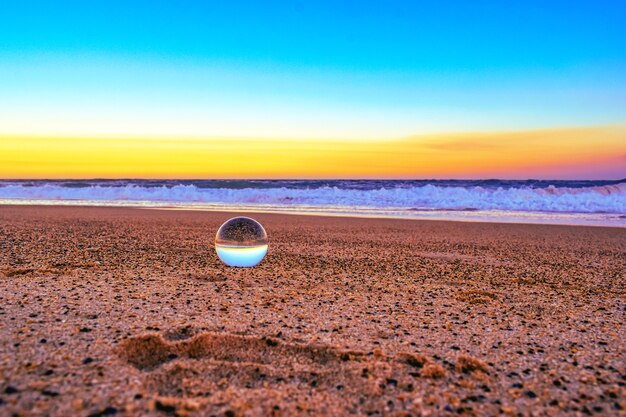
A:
{"points": [[599, 203]]}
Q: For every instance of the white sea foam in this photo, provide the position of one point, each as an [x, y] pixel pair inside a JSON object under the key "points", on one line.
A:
{"points": [[598, 199]]}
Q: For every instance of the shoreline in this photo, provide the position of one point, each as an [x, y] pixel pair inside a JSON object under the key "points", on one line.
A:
{"points": [[612, 220]]}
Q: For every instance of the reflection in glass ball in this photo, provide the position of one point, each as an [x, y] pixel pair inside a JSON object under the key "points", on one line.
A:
{"points": [[241, 241]]}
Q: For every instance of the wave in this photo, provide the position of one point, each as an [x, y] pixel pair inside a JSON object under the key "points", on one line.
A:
{"points": [[595, 199]]}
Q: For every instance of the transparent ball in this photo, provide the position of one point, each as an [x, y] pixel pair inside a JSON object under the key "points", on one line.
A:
{"points": [[242, 242]]}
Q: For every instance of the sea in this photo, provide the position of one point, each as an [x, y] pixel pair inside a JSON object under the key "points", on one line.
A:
{"points": [[594, 203]]}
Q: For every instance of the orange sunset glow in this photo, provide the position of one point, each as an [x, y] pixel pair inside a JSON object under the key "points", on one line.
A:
{"points": [[554, 153]]}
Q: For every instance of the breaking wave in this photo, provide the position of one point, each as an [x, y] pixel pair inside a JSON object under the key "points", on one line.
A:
{"points": [[608, 198]]}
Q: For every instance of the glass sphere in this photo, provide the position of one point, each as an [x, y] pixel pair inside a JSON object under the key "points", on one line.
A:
{"points": [[241, 241]]}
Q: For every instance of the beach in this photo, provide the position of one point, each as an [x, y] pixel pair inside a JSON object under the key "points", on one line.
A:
{"points": [[122, 311]]}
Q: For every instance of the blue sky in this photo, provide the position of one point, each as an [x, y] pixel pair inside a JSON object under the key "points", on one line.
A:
{"points": [[309, 69]]}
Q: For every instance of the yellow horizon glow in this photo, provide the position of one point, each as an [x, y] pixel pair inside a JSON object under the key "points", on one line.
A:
{"points": [[526, 154]]}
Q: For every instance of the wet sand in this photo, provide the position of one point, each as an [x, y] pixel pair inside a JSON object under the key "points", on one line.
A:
{"points": [[129, 312]]}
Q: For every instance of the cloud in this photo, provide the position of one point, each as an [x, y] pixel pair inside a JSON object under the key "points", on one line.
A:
{"points": [[461, 144]]}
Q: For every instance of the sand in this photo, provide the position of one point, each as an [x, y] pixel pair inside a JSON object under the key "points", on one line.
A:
{"points": [[129, 312]]}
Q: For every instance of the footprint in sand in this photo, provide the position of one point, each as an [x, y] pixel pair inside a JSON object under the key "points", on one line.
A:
{"points": [[181, 363], [186, 364]]}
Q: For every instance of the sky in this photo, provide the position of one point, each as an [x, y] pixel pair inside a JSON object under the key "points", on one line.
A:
{"points": [[367, 89]]}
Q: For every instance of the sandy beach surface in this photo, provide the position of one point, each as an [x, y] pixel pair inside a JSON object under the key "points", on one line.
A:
{"points": [[109, 311]]}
